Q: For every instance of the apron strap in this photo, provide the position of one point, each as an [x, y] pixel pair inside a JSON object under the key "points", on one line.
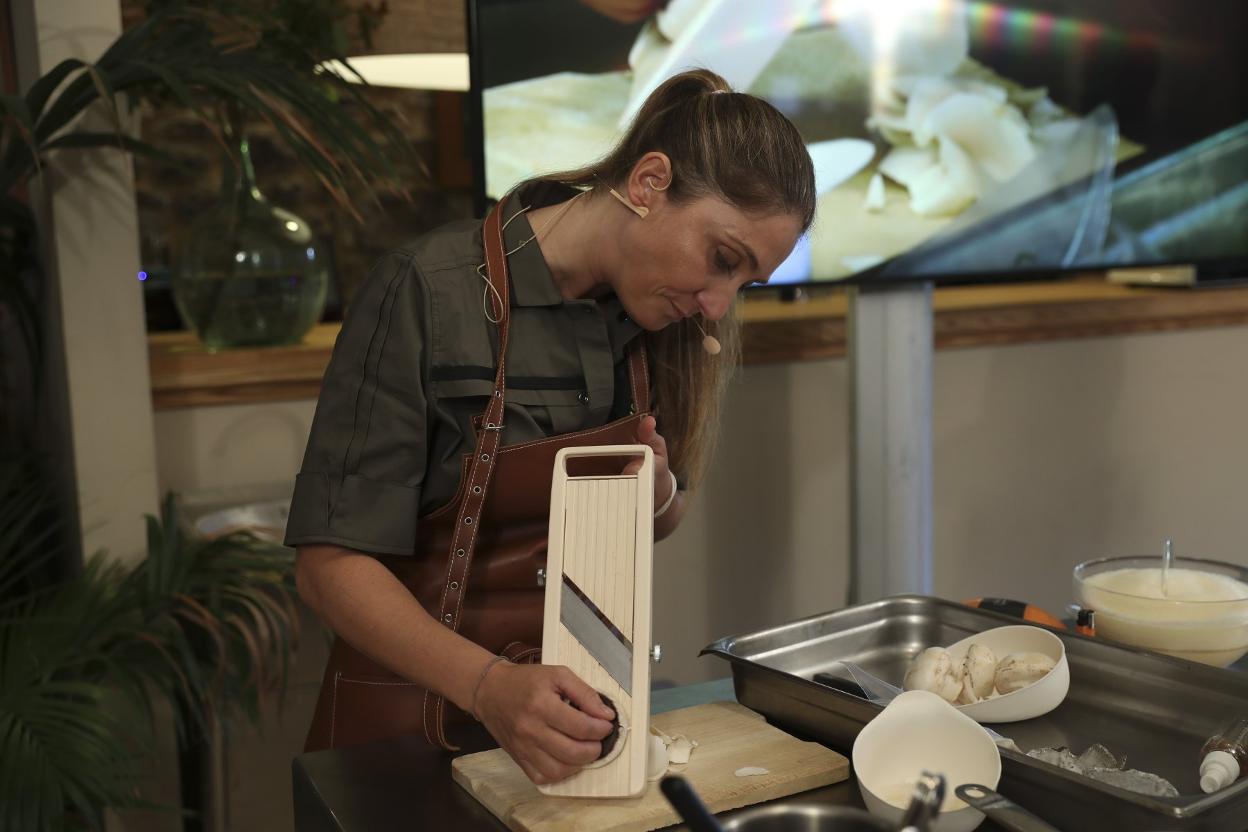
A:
{"points": [[464, 536], [639, 374]]}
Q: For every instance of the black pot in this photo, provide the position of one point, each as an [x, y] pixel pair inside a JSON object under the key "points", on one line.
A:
{"points": [[806, 817]]}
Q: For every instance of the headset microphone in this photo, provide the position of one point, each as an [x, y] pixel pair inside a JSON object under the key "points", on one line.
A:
{"points": [[709, 342]]}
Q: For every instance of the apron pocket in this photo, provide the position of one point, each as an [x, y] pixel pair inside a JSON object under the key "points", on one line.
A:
{"points": [[366, 708]]}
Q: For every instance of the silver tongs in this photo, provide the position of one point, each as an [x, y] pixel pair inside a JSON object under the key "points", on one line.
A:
{"points": [[925, 800]]}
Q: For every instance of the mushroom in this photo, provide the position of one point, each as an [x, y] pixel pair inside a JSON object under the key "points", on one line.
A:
{"points": [[934, 671], [978, 674], [1018, 670], [656, 757]]}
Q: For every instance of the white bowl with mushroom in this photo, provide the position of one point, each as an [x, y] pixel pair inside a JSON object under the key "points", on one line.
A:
{"points": [[1006, 674]]}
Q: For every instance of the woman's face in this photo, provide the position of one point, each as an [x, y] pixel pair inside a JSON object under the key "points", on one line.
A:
{"points": [[692, 258]]}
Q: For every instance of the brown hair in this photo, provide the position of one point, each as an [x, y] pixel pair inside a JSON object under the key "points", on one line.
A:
{"points": [[722, 144]]}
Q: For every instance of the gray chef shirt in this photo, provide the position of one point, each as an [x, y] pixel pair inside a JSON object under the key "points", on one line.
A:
{"points": [[414, 364]]}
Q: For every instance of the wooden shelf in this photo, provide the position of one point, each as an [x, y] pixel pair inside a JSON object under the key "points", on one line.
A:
{"points": [[186, 375], [975, 316]]}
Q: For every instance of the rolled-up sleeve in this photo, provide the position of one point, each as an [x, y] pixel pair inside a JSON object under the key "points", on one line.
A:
{"points": [[360, 482]]}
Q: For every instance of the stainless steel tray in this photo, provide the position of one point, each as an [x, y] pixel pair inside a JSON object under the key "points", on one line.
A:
{"points": [[1154, 709]]}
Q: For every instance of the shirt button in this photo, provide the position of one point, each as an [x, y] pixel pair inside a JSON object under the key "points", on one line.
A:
{"points": [[623, 317], [582, 397]]}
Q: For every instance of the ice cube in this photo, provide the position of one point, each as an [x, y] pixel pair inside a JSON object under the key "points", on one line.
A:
{"points": [[1133, 780], [1098, 756], [1099, 763], [1061, 756]]}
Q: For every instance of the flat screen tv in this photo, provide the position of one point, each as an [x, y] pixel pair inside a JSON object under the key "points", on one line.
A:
{"points": [[953, 140]]}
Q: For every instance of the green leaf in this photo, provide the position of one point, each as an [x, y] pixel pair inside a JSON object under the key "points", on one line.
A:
{"points": [[67, 105], [17, 113], [40, 91], [99, 79], [175, 85], [26, 536]]}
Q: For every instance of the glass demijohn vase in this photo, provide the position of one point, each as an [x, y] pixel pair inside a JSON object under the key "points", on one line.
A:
{"points": [[251, 274]]}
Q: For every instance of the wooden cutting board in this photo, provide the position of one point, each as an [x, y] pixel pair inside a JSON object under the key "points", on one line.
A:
{"points": [[730, 736]]}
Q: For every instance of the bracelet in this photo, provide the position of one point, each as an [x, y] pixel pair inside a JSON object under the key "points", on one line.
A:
{"points": [[670, 497], [472, 712]]}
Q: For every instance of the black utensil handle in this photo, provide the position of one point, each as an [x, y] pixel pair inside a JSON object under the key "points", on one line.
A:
{"points": [[842, 684], [1001, 809], [687, 804]]}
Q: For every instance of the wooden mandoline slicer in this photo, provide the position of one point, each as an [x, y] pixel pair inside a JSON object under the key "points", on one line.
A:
{"points": [[598, 599]]}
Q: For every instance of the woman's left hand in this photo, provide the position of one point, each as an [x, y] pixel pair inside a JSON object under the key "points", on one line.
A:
{"points": [[648, 434]]}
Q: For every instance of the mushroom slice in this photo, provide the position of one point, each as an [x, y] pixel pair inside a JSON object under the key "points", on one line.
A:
{"points": [[947, 187], [875, 198], [995, 135], [903, 165], [657, 758], [680, 749]]}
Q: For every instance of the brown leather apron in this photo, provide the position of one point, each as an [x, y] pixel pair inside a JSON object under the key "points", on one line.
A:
{"points": [[490, 538]]}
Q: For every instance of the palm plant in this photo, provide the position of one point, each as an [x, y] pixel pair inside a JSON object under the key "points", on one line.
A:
{"points": [[207, 623]]}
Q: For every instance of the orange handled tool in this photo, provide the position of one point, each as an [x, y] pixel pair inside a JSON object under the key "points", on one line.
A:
{"points": [[1018, 609]]}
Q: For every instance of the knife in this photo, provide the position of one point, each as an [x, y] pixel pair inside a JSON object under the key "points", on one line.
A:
{"points": [[600, 637]]}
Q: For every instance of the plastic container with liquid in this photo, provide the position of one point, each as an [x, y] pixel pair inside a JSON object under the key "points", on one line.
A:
{"points": [[1224, 757]]}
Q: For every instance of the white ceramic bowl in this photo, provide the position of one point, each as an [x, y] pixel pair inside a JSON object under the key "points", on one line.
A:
{"points": [[918, 732], [1035, 699]]}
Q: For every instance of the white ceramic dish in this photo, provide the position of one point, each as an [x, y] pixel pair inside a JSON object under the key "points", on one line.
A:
{"points": [[1035, 699], [918, 732]]}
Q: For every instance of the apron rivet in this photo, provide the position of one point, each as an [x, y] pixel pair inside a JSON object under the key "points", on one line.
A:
{"points": [[459, 552], [447, 618], [476, 489], [485, 457], [467, 521], [454, 584]]}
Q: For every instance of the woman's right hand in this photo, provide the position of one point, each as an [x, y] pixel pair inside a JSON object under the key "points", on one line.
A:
{"points": [[547, 719]]}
